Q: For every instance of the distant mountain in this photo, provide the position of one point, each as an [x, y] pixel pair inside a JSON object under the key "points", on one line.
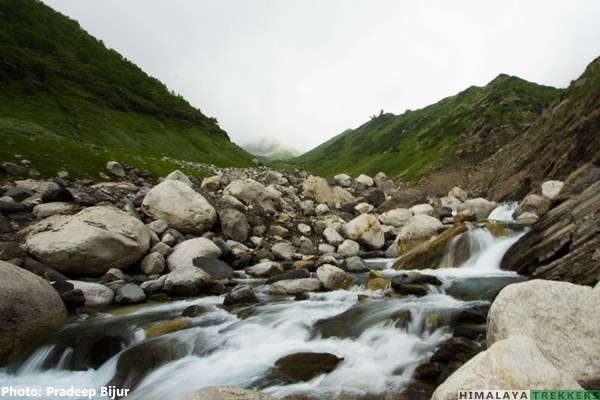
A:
{"points": [[271, 150], [459, 132], [69, 102]]}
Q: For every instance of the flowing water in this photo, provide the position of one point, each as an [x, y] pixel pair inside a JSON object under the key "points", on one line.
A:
{"points": [[381, 340]]}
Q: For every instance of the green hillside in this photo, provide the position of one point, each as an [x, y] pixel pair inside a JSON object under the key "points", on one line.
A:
{"points": [[465, 128], [70, 103]]}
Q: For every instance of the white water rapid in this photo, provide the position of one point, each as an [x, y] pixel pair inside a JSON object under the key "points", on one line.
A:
{"points": [[381, 340]]}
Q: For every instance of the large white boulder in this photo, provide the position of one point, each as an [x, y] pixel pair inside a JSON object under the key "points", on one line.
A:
{"points": [[184, 253], [418, 229], [318, 189], [29, 306], [561, 317], [397, 217], [513, 363], [365, 229], [90, 242], [181, 206]]}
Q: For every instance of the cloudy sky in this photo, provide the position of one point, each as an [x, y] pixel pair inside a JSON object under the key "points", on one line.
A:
{"points": [[302, 71]]}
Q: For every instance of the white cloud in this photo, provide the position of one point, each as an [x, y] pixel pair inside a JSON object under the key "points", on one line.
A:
{"points": [[302, 71]]}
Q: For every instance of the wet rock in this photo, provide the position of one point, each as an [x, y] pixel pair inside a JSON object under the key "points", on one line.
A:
{"points": [[183, 208], [242, 294], [305, 366], [264, 269], [417, 230], [29, 306], [234, 225], [129, 294], [561, 245], [430, 253], [355, 264], [217, 269], [225, 393], [420, 279], [164, 327], [96, 295], [299, 273], [185, 252], [295, 286], [365, 229], [332, 277], [515, 362], [541, 310], [242, 262], [90, 242], [456, 349], [154, 286], [187, 281], [378, 284], [533, 203], [429, 371]]}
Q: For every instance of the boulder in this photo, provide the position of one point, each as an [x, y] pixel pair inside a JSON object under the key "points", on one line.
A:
{"points": [[252, 193], [563, 320], [332, 277], [212, 183], [129, 294], [365, 180], [397, 217], [533, 203], [562, 244], [242, 294], [96, 295], [332, 236], [283, 251], [225, 393], [364, 208], [217, 269], [348, 248], [512, 363], [187, 281], [234, 225], [343, 180], [90, 242], [116, 169], [383, 182], [355, 264], [365, 229], [430, 254], [305, 366], [295, 286], [459, 194], [417, 230], [29, 307], [180, 177], [153, 263], [551, 189], [264, 270], [46, 210], [579, 181], [422, 209], [183, 208], [480, 207], [10, 250], [318, 189], [184, 253]]}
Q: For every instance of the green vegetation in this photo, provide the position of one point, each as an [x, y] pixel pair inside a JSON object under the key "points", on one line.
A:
{"points": [[70, 103], [470, 125]]}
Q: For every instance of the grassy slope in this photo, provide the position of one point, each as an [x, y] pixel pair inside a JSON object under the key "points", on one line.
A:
{"points": [[68, 102], [407, 145]]}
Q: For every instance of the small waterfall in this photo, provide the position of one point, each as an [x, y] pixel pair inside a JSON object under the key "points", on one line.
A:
{"points": [[464, 246], [503, 212]]}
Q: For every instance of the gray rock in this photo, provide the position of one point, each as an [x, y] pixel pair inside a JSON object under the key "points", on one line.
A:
{"points": [[365, 229], [116, 169], [242, 294], [551, 189], [348, 248], [295, 286], [332, 277], [512, 363], [153, 263], [217, 269], [318, 189], [332, 237], [184, 253], [355, 264], [10, 250], [161, 248], [49, 209], [187, 281], [159, 226], [90, 242], [154, 286], [541, 310], [96, 295], [225, 393], [252, 193], [129, 294], [299, 273], [397, 217], [282, 251], [29, 307], [533, 203], [180, 177], [234, 225], [183, 208], [264, 269]]}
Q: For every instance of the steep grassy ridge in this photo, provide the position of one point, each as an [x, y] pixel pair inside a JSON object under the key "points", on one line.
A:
{"points": [[68, 101], [467, 127]]}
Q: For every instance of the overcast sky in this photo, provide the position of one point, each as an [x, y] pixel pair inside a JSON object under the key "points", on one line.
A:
{"points": [[302, 71]]}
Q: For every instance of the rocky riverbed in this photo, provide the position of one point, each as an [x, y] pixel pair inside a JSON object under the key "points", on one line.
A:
{"points": [[72, 247]]}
